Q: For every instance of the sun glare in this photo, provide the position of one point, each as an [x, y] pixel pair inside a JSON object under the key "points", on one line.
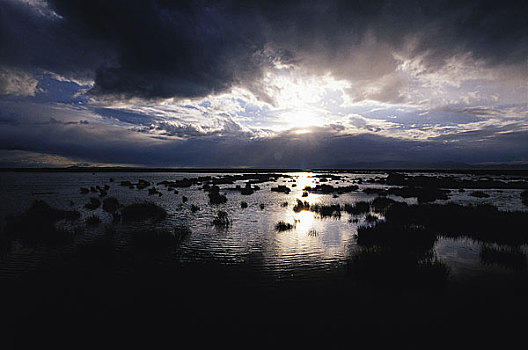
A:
{"points": [[304, 221], [301, 97]]}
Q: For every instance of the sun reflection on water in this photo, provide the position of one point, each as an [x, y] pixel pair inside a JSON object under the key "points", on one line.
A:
{"points": [[304, 221]]}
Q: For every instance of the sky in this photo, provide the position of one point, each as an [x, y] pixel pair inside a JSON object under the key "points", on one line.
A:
{"points": [[263, 84]]}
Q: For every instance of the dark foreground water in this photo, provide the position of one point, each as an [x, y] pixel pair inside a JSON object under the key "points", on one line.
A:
{"points": [[248, 283]]}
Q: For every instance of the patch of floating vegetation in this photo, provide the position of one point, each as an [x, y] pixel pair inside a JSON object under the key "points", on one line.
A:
{"points": [[381, 204], [334, 210], [143, 211], [325, 211], [328, 189], [378, 191], [221, 220], [93, 204], [422, 194], [282, 189], [37, 224], [283, 226], [357, 208], [390, 268], [300, 206], [412, 239], [480, 222], [512, 258], [110, 205], [215, 197], [326, 177], [400, 249], [397, 255]]}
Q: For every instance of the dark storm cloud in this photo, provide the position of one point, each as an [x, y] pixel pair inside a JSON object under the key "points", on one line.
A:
{"points": [[161, 48]]}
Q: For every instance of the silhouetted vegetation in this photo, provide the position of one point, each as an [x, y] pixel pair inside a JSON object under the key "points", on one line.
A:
{"points": [[93, 220], [394, 269], [399, 179], [153, 191], [221, 220], [371, 218], [281, 188], [397, 254], [110, 205], [300, 206], [326, 189], [357, 208], [215, 197], [243, 205], [378, 191], [283, 226], [423, 194], [324, 211], [508, 257], [482, 222], [93, 204], [37, 224], [381, 204], [143, 211], [194, 208], [411, 239]]}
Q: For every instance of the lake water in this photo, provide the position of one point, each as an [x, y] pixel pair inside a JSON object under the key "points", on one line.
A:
{"points": [[315, 248]]}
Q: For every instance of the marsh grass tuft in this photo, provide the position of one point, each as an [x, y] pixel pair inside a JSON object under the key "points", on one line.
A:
{"points": [[142, 211], [283, 226], [37, 224], [221, 220]]}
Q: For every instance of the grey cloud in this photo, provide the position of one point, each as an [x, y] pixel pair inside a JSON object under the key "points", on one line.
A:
{"points": [[154, 49], [16, 82]]}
